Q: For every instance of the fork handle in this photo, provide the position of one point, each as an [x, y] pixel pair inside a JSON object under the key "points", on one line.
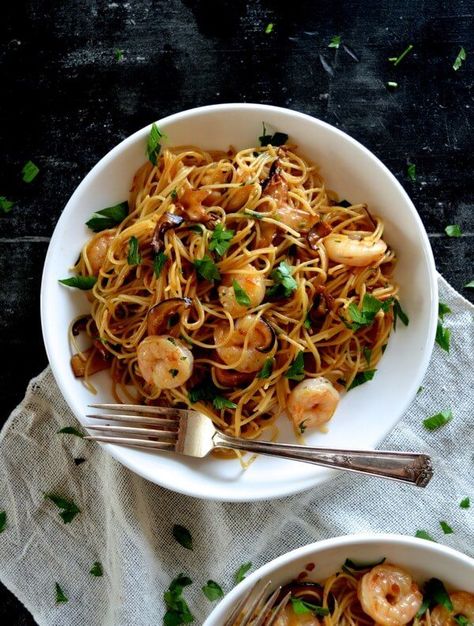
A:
{"points": [[407, 467]]}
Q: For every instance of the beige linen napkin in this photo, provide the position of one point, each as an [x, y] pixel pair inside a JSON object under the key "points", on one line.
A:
{"points": [[126, 522]]}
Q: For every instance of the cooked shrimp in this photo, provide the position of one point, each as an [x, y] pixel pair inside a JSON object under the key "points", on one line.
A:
{"points": [[312, 402], [290, 618], [260, 344], [352, 251], [463, 604], [214, 176], [96, 250], [251, 281], [388, 594], [164, 361]]}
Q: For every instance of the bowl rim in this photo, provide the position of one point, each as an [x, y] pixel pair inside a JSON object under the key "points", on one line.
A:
{"points": [[192, 488], [264, 571]]}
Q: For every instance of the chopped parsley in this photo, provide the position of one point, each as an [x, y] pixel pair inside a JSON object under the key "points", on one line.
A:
{"points": [[159, 261], [220, 240], [254, 214], [469, 285], [398, 312], [174, 194], [447, 530], [133, 257], [296, 369], [367, 352], [437, 421], [443, 309], [204, 392], [70, 430], [396, 60], [207, 269], [284, 283], [79, 461], [118, 54], [411, 172], [183, 536], [461, 620], [108, 217], [212, 591], [443, 336], [459, 59], [96, 569], [29, 172], [153, 145], [307, 321], [267, 369], [5, 205], [392, 84], [60, 595], [300, 607], [361, 378], [422, 534], [174, 372], [277, 139], [370, 307], [269, 28], [434, 592], [465, 503], [241, 295], [358, 567], [453, 230], [68, 510], [240, 573], [3, 521], [79, 282], [219, 402], [335, 42], [177, 610]]}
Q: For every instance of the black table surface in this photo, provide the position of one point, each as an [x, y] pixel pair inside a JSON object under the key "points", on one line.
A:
{"points": [[68, 98]]}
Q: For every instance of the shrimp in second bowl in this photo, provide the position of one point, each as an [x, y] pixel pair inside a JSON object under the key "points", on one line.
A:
{"points": [[312, 402], [354, 251], [252, 341], [253, 284], [164, 361], [463, 604], [389, 595]]}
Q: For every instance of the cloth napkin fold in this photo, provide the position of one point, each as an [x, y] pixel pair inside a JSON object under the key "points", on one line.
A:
{"points": [[126, 523]]}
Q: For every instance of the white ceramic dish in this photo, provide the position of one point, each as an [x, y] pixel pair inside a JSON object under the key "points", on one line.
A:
{"points": [[367, 413], [423, 559]]}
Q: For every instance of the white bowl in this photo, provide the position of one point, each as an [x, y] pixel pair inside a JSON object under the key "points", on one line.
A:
{"points": [[423, 559], [366, 414]]}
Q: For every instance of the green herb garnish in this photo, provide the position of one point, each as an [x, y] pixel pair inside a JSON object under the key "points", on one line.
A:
{"points": [[269, 28], [108, 217], [361, 378], [307, 321], [219, 402], [153, 146], [411, 172], [277, 139], [459, 59], [240, 294], [358, 567], [300, 607], [159, 261], [296, 369], [5, 205], [267, 369], [366, 314], [96, 569], [212, 591], [220, 240], [118, 54], [447, 530], [79, 282], [392, 84], [183, 536], [3, 521], [443, 336], [284, 283], [396, 60], [29, 172], [461, 620], [70, 430], [465, 503], [469, 285], [367, 354], [79, 461], [68, 510], [443, 309], [434, 592], [240, 573], [453, 230], [207, 268], [177, 610], [204, 392], [422, 534], [437, 421], [60, 595], [335, 42], [133, 257]]}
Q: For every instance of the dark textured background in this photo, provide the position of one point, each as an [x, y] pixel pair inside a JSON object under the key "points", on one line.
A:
{"points": [[66, 101]]}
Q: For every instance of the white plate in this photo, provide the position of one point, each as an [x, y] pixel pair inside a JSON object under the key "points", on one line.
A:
{"points": [[423, 559], [367, 413]]}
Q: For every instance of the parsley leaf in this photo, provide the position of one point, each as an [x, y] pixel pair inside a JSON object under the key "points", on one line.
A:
{"points": [[159, 261], [60, 595], [213, 591], [443, 336], [422, 534], [447, 530], [3, 521], [392, 84], [366, 314], [465, 503], [177, 608], [153, 145], [459, 59], [411, 172], [254, 214], [70, 430], [469, 285], [207, 268], [29, 172], [443, 309], [436, 421], [69, 510], [269, 28], [79, 282], [183, 536], [108, 217], [300, 607], [296, 369], [220, 240], [79, 461], [307, 321], [96, 569], [361, 378], [367, 354], [358, 567], [396, 60], [118, 54], [5, 205], [220, 402], [461, 620], [453, 230], [284, 283], [133, 257], [277, 139], [434, 592], [240, 294], [240, 573], [267, 369], [335, 42], [204, 392]]}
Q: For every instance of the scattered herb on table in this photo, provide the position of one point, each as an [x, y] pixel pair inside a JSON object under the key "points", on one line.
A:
{"points": [[422, 534], [267, 369], [453, 230], [277, 139], [465, 503], [459, 59], [392, 84], [240, 573], [118, 53], [300, 607], [3, 521], [335, 42], [5, 205], [60, 595], [241, 295], [70, 430], [284, 283], [296, 369], [68, 509], [438, 420], [96, 569], [153, 145], [443, 309], [183, 536], [177, 610], [79, 282], [411, 172], [108, 217], [361, 378], [219, 402], [159, 261], [269, 28], [207, 269], [469, 285], [447, 530], [133, 257], [443, 336], [79, 461], [221, 239], [213, 591], [29, 172], [396, 60]]}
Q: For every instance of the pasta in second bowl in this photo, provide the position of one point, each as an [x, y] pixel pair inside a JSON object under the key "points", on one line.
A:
{"points": [[229, 258]]}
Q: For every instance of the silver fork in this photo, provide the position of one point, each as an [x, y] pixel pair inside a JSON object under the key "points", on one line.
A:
{"points": [[257, 607], [193, 434]]}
